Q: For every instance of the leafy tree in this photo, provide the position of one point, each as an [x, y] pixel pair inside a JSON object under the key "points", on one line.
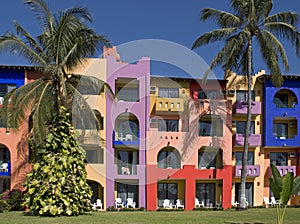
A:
{"points": [[66, 42], [283, 188], [57, 184], [250, 21]]}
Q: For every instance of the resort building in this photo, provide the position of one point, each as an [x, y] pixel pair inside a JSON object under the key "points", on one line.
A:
{"points": [[168, 142]]}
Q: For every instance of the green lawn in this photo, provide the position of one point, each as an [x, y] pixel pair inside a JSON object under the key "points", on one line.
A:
{"points": [[253, 216]]}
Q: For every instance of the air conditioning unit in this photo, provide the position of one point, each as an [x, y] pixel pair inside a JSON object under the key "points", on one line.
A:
{"points": [[293, 125], [231, 92], [152, 89], [233, 123], [153, 120]]}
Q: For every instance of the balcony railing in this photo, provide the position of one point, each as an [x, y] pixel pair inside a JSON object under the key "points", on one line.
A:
{"points": [[253, 140], [127, 169], [122, 139], [251, 170], [241, 107], [169, 104], [5, 169], [283, 170]]}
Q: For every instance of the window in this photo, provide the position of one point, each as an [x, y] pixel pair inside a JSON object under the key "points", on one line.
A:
{"points": [[209, 157], [280, 130], [206, 192], [168, 92], [242, 96], [168, 158], [210, 125], [94, 154], [128, 127], [127, 161], [278, 158], [207, 94], [285, 98], [249, 192], [6, 88], [167, 191], [168, 125], [241, 127], [125, 191], [128, 94], [239, 158]]}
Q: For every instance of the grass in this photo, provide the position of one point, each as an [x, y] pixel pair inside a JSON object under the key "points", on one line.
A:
{"points": [[250, 216]]}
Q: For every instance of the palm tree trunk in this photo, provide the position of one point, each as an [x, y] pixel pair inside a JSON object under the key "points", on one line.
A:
{"points": [[242, 199]]}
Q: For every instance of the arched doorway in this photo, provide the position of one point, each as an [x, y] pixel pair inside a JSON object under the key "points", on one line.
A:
{"points": [[5, 168]]}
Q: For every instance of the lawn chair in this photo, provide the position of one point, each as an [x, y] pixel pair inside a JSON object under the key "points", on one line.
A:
{"points": [[198, 204], [4, 167], [179, 204], [118, 203], [98, 205], [130, 203], [274, 202], [234, 203], [167, 204], [267, 202]]}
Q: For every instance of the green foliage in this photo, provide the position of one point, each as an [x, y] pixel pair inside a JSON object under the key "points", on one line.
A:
{"points": [[283, 188], [15, 199], [57, 184], [4, 206]]}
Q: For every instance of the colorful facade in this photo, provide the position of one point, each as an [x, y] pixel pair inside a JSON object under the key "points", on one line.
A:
{"points": [[170, 137]]}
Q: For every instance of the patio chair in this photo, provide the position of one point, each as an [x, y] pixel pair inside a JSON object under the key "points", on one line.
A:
{"points": [[130, 203], [198, 204], [1, 100], [274, 202], [128, 137], [234, 203], [98, 205], [167, 204], [4, 167], [267, 202], [179, 204], [118, 203]]}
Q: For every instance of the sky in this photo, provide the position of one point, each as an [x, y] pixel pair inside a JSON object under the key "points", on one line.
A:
{"points": [[127, 22]]}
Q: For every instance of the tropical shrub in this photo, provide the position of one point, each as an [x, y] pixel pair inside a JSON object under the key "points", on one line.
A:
{"points": [[4, 206], [57, 184], [283, 188], [15, 199]]}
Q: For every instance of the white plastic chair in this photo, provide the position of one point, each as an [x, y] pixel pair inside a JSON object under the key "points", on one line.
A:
{"points": [[274, 202], [198, 204], [118, 203], [1, 100], [128, 137], [167, 204], [267, 202], [130, 203], [179, 204], [4, 167], [234, 203], [98, 205]]}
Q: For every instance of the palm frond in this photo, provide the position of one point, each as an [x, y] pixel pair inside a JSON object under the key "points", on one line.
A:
{"points": [[283, 30], [277, 46], [223, 19], [213, 36], [42, 13], [291, 18], [263, 8]]}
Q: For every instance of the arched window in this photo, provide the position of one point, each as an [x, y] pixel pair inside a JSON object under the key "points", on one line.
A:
{"points": [[127, 127], [285, 98], [168, 157], [210, 125]]}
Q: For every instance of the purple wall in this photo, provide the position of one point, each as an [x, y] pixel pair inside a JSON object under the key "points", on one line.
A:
{"points": [[241, 107], [141, 72]]}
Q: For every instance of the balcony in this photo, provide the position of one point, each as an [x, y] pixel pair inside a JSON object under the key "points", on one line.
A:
{"points": [[251, 170], [5, 169], [253, 140], [169, 104], [285, 169], [126, 140], [127, 169], [241, 107]]}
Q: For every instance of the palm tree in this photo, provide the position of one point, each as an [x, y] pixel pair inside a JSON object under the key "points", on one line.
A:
{"points": [[65, 42], [250, 21]]}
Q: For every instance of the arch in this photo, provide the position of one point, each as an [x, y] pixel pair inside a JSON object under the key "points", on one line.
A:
{"points": [[285, 98], [99, 118], [5, 168], [168, 158], [210, 125], [127, 127], [98, 190]]}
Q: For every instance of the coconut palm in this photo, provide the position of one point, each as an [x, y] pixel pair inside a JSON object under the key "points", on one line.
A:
{"points": [[66, 41], [250, 21]]}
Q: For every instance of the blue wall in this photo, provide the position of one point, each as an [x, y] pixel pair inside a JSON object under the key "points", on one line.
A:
{"points": [[271, 111], [12, 76]]}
